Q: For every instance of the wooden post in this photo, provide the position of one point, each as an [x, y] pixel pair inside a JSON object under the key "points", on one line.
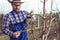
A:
{"points": [[43, 36]]}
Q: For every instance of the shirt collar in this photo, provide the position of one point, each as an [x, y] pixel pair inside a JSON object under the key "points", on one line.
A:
{"points": [[16, 12]]}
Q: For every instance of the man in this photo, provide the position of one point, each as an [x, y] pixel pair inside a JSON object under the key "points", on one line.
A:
{"points": [[14, 23]]}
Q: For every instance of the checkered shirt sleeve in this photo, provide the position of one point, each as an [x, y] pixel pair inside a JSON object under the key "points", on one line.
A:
{"points": [[28, 15], [5, 26]]}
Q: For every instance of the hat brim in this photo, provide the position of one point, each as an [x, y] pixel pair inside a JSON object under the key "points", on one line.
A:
{"points": [[16, 2]]}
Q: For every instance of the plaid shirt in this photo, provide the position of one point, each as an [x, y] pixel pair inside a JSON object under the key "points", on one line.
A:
{"points": [[9, 19]]}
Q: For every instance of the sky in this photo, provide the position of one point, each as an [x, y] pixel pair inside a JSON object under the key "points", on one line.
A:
{"points": [[28, 5]]}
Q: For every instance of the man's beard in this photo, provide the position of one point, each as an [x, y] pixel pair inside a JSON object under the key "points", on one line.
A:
{"points": [[17, 11]]}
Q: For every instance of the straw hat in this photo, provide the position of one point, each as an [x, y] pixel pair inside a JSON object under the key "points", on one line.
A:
{"points": [[15, 1]]}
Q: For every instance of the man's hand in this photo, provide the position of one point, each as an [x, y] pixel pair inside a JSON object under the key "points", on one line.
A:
{"points": [[16, 34], [33, 18]]}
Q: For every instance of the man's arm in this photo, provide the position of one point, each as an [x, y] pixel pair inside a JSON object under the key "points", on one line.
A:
{"points": [[5, 26], [28, 15]]}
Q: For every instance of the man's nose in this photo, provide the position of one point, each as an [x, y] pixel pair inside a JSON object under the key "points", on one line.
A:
{"points": [[16, 6]]}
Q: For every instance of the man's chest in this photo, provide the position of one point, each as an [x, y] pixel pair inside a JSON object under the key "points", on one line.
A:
{"points": [[17, 18]]}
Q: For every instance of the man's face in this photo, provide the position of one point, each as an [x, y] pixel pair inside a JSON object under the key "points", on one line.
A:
{"points": [[16, 6]]}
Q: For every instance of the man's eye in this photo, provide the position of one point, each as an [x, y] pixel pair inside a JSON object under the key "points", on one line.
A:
{"points": [[17, 5]]}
